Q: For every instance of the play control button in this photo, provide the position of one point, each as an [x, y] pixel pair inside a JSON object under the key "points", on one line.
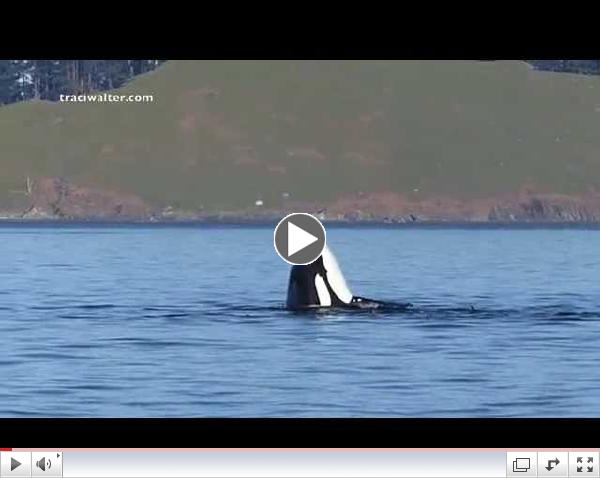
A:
{"points": [[16, 464], [299, 238]]}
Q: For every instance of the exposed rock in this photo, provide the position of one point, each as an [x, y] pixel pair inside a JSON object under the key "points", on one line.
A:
{"points": [[547, 208], [58, 198], [393, 207]]}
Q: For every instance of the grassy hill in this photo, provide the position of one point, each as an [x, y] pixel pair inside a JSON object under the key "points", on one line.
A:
{"points": [[220, 134]]}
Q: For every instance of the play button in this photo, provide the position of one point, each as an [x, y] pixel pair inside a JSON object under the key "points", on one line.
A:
{"points": [[299, 238], [16, 464]]}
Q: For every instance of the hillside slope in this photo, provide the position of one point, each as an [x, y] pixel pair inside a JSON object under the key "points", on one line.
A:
{"points": [[221, 134]]}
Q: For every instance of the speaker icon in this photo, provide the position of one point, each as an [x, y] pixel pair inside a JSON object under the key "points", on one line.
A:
{"points": [[43, 464]]}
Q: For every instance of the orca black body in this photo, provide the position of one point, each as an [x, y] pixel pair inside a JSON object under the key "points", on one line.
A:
{"points": [[321, 284]]}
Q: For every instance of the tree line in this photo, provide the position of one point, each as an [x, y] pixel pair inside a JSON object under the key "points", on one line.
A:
{"points": [[22, 80], [586, 67]]}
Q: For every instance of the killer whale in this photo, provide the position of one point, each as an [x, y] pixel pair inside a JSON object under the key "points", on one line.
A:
{"points": [[322, 284]]}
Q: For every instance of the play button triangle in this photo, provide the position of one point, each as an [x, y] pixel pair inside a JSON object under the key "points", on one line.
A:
{"points": [[298, 239]]}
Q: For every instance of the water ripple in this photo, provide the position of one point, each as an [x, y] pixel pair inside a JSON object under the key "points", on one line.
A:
{"points": [[187, 323]]}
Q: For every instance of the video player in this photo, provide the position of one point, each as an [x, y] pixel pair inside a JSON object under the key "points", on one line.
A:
{"points": [[263, 239]]}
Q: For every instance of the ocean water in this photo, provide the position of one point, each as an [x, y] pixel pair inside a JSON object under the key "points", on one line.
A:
{"points": [[189, 321]]}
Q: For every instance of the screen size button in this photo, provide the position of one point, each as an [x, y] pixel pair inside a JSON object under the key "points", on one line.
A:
{"points": [[583, 463], [521, 464]]}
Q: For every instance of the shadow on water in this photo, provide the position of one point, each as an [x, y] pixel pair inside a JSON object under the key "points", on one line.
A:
{"points": [[543, 313], [559, 313]]}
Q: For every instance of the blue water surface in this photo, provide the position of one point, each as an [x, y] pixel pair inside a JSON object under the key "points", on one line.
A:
{"points": [[190, 321]]}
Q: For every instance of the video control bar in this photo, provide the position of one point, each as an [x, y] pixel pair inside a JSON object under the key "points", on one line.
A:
{"points": [[297, 463]]}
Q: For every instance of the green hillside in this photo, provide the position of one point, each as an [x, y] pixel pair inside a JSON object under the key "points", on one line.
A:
{"points": [[220, 134]]}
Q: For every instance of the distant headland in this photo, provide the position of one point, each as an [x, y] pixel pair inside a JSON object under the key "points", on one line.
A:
{"points": [[349, 141], [56, 199]]}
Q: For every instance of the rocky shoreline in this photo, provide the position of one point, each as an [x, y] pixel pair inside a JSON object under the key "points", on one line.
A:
{"points": [[56, 199]]}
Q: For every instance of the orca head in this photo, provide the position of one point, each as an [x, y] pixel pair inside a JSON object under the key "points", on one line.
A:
{"points": [[318, 284]]}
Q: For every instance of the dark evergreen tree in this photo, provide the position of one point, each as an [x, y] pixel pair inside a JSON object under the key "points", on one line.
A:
{"points": [[115, 73], [9, 82]]}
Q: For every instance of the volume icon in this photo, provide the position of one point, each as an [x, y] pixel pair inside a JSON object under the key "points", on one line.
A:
{"points": [[43, 464]]}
